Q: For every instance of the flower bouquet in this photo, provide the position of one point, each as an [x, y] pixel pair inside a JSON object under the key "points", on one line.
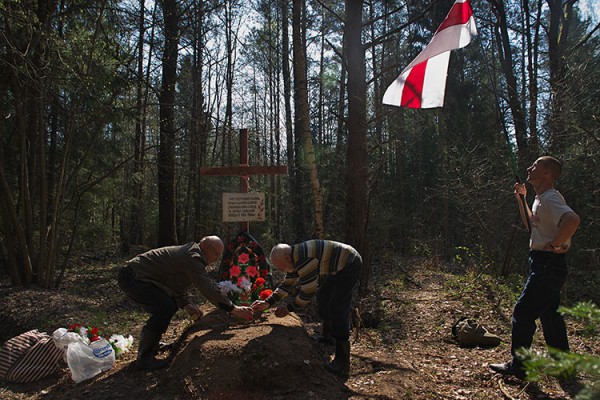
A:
{"points": [[87, 352], [120, 343], [243, 271], [90, 334]]}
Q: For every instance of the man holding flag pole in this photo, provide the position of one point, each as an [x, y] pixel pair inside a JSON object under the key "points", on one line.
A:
{"points": [[553, 223]]}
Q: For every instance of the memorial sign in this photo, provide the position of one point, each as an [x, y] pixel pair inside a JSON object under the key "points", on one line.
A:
{"points": [[238, 207]]}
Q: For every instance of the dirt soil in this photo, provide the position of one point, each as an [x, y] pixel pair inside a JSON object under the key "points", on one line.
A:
{"points": [[402, 348]]}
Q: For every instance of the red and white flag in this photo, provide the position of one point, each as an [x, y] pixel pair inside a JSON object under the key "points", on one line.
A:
{"points": [[423, 83]]}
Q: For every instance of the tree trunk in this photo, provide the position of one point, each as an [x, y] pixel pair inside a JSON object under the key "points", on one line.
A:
{"points": [[357, 171], [166, 153], [137, 217], [302, 113], [532, 74], [560, 21], [507, 64], [295, 195], [133, 230], [199, 122], [230, 41]]}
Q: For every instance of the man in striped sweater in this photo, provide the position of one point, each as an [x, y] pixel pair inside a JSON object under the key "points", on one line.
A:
{"points": [[329, 269]]}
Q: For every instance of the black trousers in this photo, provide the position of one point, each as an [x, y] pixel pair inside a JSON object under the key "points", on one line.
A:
{"points": [[540, 298], [334, 298], [153, 300]]}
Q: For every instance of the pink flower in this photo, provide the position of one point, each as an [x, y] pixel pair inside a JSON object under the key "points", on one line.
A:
{"points": [[243, 258], [234, 271], [252, 271]]}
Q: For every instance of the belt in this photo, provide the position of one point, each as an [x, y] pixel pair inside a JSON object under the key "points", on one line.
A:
{"points": [[545, 253]]}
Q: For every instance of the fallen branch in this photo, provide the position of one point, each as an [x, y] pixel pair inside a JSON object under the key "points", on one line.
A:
{"points": [[505, 391], [408, 278]]}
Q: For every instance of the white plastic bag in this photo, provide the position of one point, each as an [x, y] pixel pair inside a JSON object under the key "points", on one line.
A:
{"points": [[88, 360], [62, 337]]}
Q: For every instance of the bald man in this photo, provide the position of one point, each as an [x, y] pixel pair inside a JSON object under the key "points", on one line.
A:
{"points": [[553, 223], [328, 269], [159, 280]]}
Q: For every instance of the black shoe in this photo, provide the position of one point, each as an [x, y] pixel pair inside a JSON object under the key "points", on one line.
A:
{"points": [[508, 369], [327, 340], [150, 363], [149, 341], [341, 362]]}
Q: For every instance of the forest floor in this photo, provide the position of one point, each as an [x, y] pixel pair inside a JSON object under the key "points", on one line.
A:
{"points": [[402, 349]]}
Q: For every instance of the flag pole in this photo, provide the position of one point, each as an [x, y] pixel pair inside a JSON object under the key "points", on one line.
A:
{"points": [[511, 151]]}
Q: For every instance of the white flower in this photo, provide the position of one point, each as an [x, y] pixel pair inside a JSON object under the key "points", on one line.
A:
{"points": [[245, 284], [123, 344], [227, 287]]}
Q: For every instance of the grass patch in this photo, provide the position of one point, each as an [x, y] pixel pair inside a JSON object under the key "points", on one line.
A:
{"points": [[472, 286]]}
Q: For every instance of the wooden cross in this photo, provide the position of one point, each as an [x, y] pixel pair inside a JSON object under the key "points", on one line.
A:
{"points": [[244, 170]]}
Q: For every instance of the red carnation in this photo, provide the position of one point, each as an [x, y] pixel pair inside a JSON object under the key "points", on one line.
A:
{"points": [[251, 271], [243, 258], [234, 271], [265, 294]]}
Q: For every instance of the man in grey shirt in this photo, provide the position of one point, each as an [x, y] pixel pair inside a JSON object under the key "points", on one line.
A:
{"points": [[553, 223]]}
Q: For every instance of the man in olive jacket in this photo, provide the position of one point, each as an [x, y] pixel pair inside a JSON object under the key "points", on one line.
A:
{"points": [[159, 280]]}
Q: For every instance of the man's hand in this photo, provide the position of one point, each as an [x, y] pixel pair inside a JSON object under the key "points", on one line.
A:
{"points": [[281, 311], [520, 189], [556, 249], [260, 305], [243, 312], [194, 311]]}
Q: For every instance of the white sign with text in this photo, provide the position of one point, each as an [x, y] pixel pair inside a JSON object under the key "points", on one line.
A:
{"points": [[243, 207]]}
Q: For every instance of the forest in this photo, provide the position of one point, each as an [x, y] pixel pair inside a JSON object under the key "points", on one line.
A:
{"points": [[111, 109]]}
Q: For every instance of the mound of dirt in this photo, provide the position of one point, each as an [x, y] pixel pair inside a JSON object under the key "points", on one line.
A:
{"points": [[218, 357], [270, 357]]}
